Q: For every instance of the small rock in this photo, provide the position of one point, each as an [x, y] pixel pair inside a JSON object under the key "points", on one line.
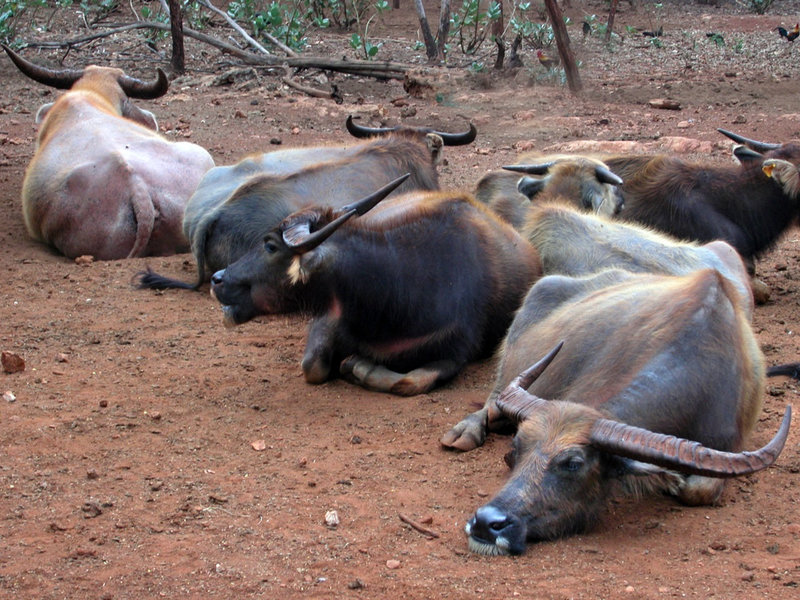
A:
{"points": [[665, 104], [12, 362], [103, 403], [683, 125], [62, 358], [9, 396], [91, 510], [92, 474], [259, 445], [239, 115], [392, 564], [275, 141], [629, 589], [84, 260], [331, 518], [356, 584]]}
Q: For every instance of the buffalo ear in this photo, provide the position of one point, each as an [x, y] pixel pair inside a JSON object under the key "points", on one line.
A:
{"points": [[42, 112], [530, 186], [640, 478]]}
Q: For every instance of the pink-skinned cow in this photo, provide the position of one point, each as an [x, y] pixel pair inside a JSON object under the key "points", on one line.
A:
{"points": [[102, 181]]}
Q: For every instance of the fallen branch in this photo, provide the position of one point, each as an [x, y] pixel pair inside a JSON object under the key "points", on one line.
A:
{"points": [[378, 70], [310, 91], [245, 35], [414, 525]]}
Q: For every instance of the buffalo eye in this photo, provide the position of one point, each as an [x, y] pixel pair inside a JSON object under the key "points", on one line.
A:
{"points": [[571, 464], [270, 247]]}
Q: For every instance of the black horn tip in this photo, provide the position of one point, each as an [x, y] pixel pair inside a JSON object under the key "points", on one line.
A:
{"points": [[753, 144], [606, 175], [531, 169], [529, 375]]}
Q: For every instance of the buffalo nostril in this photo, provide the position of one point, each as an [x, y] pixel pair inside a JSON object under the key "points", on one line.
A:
{"points": [[490, 521], [216, 278]]}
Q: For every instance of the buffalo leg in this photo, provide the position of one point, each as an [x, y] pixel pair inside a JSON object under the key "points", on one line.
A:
{"points": [[376, 377], [320, 348]]}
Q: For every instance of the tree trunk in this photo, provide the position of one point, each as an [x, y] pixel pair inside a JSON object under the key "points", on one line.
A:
{"points": [[430, 43], [178, 62], [564, 51], [444, 29], [497, 34], [612, 12]]}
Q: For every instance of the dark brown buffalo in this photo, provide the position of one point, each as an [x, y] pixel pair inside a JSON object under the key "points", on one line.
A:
{"points": [[401, 298], [702, 202], [234, 206]]}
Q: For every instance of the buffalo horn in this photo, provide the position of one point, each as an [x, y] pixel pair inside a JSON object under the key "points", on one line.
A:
{"points": [[300, 239], [449, 139], [61, 79], [145, 90], [684, 455], [516, 402], [753, 144], [744, 154], [531, 169], [605, 175]]}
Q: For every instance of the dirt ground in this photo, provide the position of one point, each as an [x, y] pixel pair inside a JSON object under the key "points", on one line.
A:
{"points": [[152, 452]]}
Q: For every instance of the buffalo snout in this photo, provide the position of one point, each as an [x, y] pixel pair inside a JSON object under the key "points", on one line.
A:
{"points": [[494, 531]]}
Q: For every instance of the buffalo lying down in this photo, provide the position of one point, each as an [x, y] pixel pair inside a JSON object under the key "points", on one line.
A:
{"points": [[401, 298], [583, 182], [235, 205], [682, 362], [102, 181], [670, 352]]}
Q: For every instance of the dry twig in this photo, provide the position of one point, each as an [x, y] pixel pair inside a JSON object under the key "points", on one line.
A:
{"points": [[419, 527]]}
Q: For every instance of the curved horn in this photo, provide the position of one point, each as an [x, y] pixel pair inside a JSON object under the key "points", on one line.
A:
{"points": [[449, 139], [753, 144], [744, 154], [606, 175], [300, 239], [61, 79], [456, 139], [516, 402], [531, 169], [145, 90], [361, 131], [685, 455]]}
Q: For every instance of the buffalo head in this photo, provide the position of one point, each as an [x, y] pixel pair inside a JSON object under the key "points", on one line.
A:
{"points": [[277, 272], [566, 456]]}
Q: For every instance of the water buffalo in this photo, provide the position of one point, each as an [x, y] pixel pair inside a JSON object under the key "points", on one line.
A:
{"points": [[702, 202], [102, 181], [401, 298], [594, 245], [235, 205], [656, 388], [584, 182]]}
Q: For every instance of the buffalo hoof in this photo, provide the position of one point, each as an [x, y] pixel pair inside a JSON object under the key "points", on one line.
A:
{"points": [[761, 291], [468, 434]]}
